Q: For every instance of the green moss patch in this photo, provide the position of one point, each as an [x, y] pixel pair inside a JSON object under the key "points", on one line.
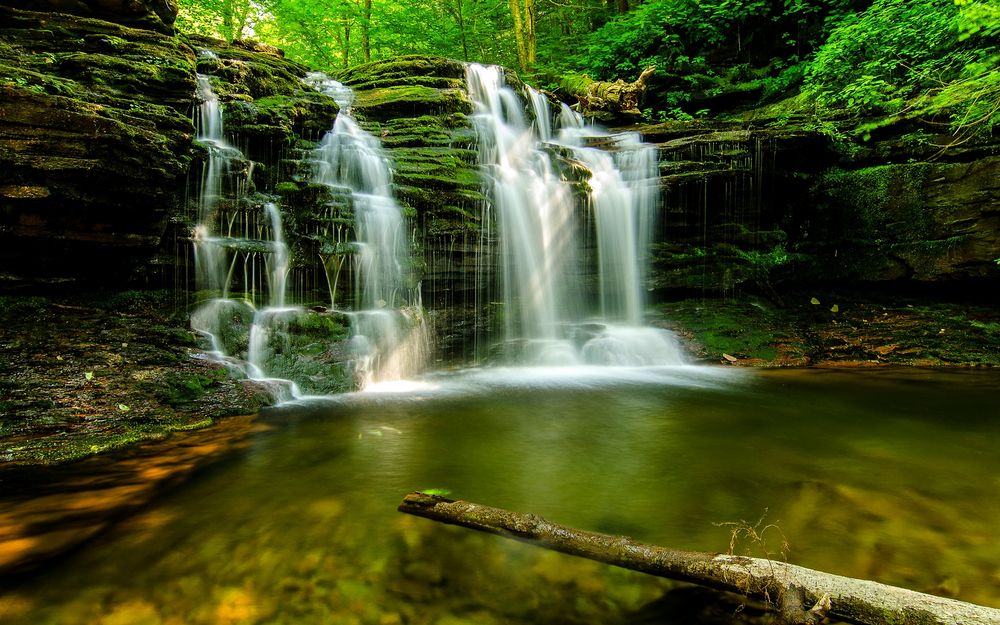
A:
{"points": [[94, 378], [385, 103]]}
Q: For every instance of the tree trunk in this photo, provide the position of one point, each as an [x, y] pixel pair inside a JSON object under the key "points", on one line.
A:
{"points": [[366, 20], [242, 20], [456, 8], [788, 588], [531, 40], [519, 34], [227, 29], [346, 53]]}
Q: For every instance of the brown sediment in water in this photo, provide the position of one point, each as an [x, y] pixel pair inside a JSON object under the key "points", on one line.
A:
{"points": [[45, 511]]}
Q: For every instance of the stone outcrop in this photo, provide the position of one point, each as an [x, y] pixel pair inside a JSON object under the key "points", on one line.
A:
{"points": [[778, 205], [156, 15], [97, 140], [925, 222], [95, 144]]}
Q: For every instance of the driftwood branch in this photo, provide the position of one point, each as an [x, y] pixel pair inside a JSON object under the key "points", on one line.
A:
{"points": [[801, 595], [614, 98]]}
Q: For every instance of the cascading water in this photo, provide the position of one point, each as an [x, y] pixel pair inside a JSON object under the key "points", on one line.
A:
{"points": [[571, 272], [390, 335], [220, 317], [540, 230]]}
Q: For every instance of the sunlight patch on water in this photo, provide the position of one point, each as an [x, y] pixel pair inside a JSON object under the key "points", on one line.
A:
{"points": [[484, 381], [400, 386]]}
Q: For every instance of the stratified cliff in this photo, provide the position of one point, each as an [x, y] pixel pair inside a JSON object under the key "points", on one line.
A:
{"points": [[95, 144]]}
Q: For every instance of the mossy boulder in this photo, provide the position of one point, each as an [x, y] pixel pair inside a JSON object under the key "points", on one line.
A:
{"points": [[409, 87], [411, 69]]}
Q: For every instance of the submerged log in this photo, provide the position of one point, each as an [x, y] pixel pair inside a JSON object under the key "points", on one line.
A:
{"points": [[801, 595]]}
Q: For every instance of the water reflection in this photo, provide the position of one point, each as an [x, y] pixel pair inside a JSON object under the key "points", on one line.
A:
{"points": [[890, 476]]}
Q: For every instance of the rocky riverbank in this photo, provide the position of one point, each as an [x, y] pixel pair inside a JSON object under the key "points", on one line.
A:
{"points": [[838, 328], [81, 376]]}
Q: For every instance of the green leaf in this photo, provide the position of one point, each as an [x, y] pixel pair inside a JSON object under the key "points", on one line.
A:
{"points": [[440, 492]]}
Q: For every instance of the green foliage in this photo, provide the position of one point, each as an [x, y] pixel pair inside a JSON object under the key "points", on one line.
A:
{"points": [[929, 59], [224, 19], [181, 388], [765, 261], [978, 18], [327, 34], [674, 34], [876, 61]]}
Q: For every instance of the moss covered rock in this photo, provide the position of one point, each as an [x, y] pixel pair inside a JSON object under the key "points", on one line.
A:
{"points": [[418, 107], [266, 105], [916, 221], [156, 15], [95, 142]]}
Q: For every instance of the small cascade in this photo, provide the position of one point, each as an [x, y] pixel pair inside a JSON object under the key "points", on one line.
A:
{"points": [[279, 259], [232, 244], [623, 193], [390, 334], [209, 253], [541, 231]]}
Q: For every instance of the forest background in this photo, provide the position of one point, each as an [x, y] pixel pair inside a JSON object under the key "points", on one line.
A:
{"points": [[936, 60]]}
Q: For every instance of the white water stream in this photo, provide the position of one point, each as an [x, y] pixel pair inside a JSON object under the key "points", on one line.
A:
{"points": [[390, 335], [542, 229], [572, 264]]}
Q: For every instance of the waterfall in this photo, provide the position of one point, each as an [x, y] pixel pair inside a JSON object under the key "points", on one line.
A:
{"points": [[222, 238], [541, 230], [533, 211], [390, 334], [563, 246], [279, 260]]}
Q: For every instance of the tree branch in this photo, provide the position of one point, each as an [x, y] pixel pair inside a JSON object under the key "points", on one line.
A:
{"points": [[801, 595]]}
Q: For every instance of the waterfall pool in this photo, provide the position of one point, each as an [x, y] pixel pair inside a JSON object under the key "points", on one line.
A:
{"points": [[888, 475]]}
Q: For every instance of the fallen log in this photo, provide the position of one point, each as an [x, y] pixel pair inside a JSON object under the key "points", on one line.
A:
{"points": [[612, 98], [800, 595]]}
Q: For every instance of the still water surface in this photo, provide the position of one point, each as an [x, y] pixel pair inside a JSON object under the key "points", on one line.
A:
{"points": [[892, 476]]}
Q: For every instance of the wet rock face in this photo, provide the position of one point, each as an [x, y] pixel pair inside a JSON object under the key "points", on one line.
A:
{"points": [[779, 207], [728, 194], [95, 142], [152, 14], [926, 222]]}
